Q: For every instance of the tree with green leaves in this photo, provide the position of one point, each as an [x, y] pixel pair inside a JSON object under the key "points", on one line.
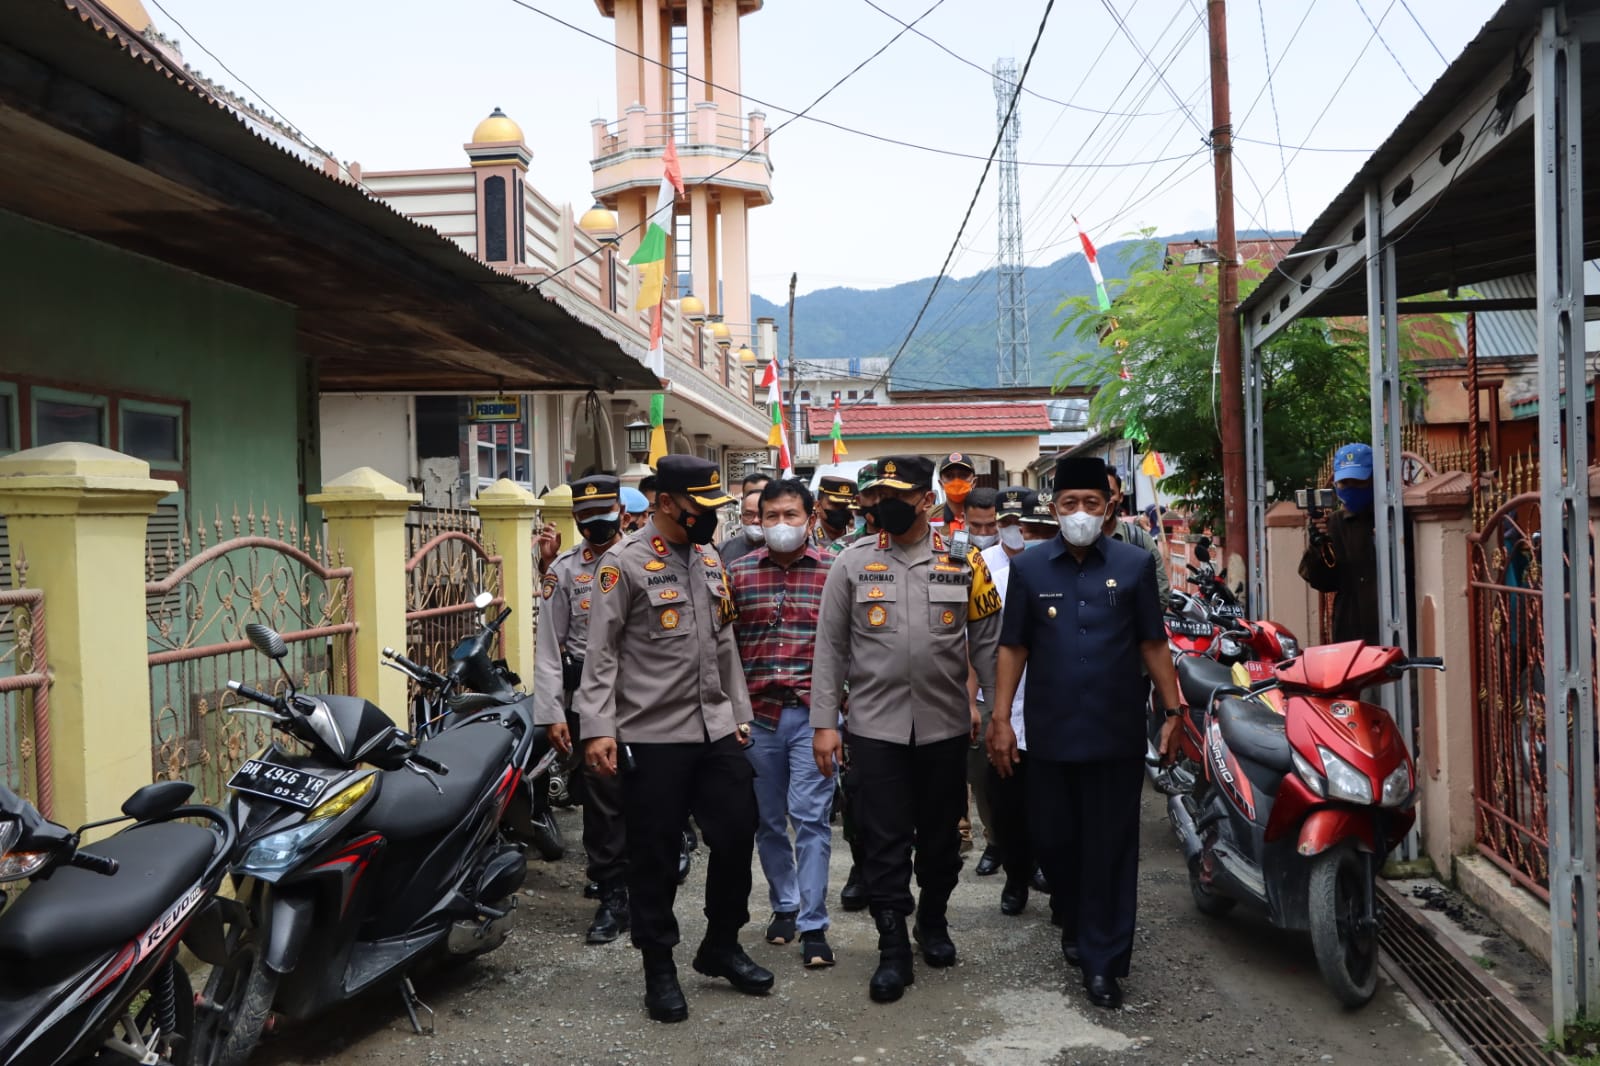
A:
{"points": [[1153, 364]]}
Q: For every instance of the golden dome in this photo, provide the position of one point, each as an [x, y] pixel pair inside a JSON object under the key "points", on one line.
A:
{"points": [[692, 306], [598, 221], [131, 12], [721, 333], [497, 127], [746, 356]]}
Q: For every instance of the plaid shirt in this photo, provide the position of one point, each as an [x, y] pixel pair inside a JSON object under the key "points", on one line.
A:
{"points": [[777, 626]]}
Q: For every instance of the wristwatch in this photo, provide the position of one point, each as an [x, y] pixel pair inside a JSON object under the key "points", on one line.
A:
{"points": [[1173, 712]]}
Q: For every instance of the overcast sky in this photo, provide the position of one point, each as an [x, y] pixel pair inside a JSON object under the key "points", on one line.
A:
{"points": [[402, 84]]}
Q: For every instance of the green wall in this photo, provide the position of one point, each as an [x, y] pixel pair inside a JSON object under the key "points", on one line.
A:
{"points": [[79, 314]]}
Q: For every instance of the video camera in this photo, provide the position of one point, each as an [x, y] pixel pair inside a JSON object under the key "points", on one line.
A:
{"points": [[1315, 503]]}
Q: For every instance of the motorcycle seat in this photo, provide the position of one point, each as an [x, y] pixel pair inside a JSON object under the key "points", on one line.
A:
{"points": [[75, 913], [472, 702], [407, 806], [1254, 732], [1199, 677]]}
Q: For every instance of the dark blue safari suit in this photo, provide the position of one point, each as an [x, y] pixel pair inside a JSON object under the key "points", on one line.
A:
{"points": [[1084, 707]]}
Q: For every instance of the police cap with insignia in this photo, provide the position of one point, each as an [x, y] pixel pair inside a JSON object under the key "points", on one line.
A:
{"points": [[1014, 500], [691, 476], [1039, 511], [1081, 472], [904, 473], [595, 490], [836, 489]]}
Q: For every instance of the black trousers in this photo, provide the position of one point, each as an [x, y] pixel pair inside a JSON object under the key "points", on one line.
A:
{"points": [[904, 793], [1008, 798], [668, 782], [605, 836], [1084, 818]]}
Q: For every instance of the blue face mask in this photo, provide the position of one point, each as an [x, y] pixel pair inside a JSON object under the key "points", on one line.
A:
{"points": [[1032, 544], [1356, 500]]}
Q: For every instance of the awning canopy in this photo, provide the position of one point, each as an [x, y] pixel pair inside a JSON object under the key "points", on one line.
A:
{"points": [[101, 137]]}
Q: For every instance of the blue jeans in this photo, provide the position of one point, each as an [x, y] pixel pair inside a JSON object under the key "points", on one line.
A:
{"points": [[791, 790]]}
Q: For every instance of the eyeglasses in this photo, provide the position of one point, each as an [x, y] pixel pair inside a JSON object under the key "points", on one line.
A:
{"points": [[777, 607]]}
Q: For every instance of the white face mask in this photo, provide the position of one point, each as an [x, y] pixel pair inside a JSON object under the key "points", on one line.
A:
{"points": [[1081, 528], [754, 534], [982, 541], [783, 538], [1011, 538]]}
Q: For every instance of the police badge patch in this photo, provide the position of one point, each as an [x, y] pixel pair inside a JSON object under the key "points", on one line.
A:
{"points": [[547, 587], [609, 576], [877, 615]]}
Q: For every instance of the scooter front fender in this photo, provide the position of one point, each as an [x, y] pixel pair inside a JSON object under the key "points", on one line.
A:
{"points": [[1324, 828], [288, 927]]}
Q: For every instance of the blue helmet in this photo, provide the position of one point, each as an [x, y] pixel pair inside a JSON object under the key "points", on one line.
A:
{"points": [[633, 500]]}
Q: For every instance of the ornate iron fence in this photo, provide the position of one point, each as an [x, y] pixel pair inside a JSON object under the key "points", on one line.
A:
{"points": [[449, 565], [24, 692], [271, 572]]}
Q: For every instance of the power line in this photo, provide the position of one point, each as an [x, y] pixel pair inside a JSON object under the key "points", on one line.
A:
{"points": [[1277, 127], [1378, 33], [1160, 76], [1425, 32]]}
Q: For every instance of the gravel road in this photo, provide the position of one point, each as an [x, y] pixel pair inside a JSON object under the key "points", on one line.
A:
{"points": [[1233, 990]]}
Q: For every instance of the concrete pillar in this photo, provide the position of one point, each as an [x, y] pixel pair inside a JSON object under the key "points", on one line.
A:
{"points": [[736, 264], [629, 86], [712, 240], [366, 515], [1290, 601], [725, 55], [507, 511], [650, 46], [78, 513], [1442, 518], [700, 241], [695, 34]]}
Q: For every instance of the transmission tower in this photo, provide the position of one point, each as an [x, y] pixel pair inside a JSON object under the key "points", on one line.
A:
{"points": [[1012, 302]]}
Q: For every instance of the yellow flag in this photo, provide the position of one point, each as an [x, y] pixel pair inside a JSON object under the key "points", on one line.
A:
{"points": [[652, 276], [658, 444]]}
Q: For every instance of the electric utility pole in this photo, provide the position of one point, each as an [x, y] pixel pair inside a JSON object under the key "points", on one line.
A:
{"points": [[794, 391], [1230, 383]]}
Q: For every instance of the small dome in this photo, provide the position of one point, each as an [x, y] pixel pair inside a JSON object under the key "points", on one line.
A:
{"points": [[598, 221], [497, 127], [747, 357], [692, 306], [721, 332]]}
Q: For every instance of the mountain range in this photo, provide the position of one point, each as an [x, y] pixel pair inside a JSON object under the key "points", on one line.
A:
{"points": [[954, 347]]}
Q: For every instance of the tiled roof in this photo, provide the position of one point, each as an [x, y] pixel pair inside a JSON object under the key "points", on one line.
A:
{"points": [[934, 420]]}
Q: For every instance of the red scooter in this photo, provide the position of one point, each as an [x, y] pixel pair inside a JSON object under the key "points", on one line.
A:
{"points": [[1299, 805]]}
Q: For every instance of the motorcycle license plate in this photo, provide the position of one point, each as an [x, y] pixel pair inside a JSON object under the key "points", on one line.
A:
{"points": [[286, 785], [1187, 627], [1228, 610]]}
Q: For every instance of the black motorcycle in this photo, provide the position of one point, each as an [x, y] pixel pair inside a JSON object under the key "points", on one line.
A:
{"points": [[361, 854], [89, 952], [475, 688]]}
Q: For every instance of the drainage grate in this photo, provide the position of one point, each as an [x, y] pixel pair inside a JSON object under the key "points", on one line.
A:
{"points": [[1473, 1014]]}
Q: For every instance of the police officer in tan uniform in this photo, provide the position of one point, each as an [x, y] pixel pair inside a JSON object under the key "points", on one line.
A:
{"points": [[676, 729], [569, 593], [899, 621]]}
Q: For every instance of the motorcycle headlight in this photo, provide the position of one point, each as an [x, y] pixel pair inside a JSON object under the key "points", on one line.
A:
{"points": [[1308, 773], [1345, 782], [1290, 646], [342, 800], [1397, 786], [270, 856], [1229, 648]]}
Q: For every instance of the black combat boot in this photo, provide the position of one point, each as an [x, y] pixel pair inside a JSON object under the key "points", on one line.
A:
{"points": [[663, 999], [933, 933], [894, 958], [721, 956], [611, 917]]}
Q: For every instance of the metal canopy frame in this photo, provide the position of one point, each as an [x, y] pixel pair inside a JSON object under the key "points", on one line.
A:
{"points": [[1447, 201]]}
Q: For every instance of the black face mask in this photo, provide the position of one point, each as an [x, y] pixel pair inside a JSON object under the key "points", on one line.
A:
{"points": [[836, 517], [700, 528], [869, 518], [600, 531], [896, 516]]}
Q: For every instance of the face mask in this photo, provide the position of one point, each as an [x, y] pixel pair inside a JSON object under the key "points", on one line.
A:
{"points": [[784, 538], [1030, 545], [836, 517], [600, 530], [754, 534], [1011, 537], [958, 489], [982, 541], [869, 519], [700, 528], [896, 516], [1356, 500], [1081, 528]]}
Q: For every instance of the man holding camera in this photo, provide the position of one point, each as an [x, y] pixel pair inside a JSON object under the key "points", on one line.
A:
{"points": [[1342, 557]]}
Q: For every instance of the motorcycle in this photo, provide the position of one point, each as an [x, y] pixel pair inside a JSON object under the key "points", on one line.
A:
{"points": [[1242, 639], [1299, 805], [360, 856], [477, 688], [89, 964]]}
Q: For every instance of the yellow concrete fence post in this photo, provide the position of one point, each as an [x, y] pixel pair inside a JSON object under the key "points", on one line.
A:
{"points": [[507, 511], [366, 515], [556, 506], [78, 513]]}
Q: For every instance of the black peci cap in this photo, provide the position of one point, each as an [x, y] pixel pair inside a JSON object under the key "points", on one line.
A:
{"points": [[692, 476], [1081, 472], [904, 473]]}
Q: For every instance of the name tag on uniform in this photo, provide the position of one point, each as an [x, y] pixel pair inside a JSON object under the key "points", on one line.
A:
{"points": [[1050, 595]]}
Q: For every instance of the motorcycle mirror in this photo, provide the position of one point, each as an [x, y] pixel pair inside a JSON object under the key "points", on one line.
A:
{"points": [[266, 640], [152, 801], [482, 600]]}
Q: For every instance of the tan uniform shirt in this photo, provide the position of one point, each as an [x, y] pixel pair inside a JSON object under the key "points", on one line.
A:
{"points": [[898, 624], [670, 619], [569, 593]]}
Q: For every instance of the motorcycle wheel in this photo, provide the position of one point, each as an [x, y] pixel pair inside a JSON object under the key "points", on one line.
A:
{"points": [[236, 1004], [1213, 904], [176, 1047], [547, 839], [1347, 957]]}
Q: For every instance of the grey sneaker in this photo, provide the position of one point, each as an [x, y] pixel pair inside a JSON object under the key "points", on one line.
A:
{"points": [[781, 930]]}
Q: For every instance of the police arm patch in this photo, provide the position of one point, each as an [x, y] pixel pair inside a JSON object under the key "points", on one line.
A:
{"points": [[547, 587], [609, 576]]}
